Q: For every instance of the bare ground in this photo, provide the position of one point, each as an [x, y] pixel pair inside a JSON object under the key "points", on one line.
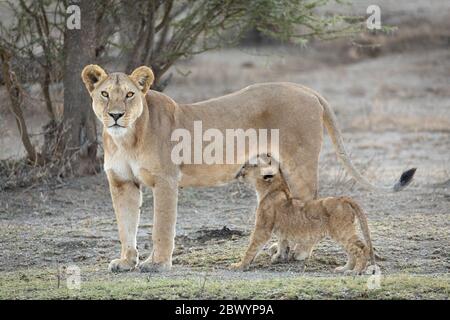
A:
{"points": [[394, 111]]}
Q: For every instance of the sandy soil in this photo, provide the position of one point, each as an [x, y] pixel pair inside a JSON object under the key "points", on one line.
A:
{"points": [[394, 111]]}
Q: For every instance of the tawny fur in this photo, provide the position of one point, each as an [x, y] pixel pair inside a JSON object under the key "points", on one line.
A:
{"points": [[303, 224], [139, 151]]}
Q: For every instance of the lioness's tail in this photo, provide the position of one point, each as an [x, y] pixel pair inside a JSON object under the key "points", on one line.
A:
{"points": [[362, 218], [338, 143]]}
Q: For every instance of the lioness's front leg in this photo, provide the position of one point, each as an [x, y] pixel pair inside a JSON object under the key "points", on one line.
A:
{"points": [[126, 197], [165, 196]]}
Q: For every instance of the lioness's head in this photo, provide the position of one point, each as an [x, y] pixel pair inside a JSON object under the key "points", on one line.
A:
{"points": [[117, 98], [261, 168]]}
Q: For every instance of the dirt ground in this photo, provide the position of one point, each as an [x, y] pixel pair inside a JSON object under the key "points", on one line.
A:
{"points": [[394, 110]]}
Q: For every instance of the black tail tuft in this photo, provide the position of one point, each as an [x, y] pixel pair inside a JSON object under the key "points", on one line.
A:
{"points": [[405, 179], [407, 176]]}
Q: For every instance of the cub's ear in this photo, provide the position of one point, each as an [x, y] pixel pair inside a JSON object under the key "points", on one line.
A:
{"points": [[92, 74], [143, 77]]}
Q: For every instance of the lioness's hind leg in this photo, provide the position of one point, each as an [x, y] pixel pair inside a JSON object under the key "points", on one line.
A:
{"points": [[301, 172]]}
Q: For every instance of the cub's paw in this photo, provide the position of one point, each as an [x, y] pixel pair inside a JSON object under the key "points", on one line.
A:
{"points": [[357, 271], [301, 255], [149, 266], [352, 273], [238, 266], [273, 249], [278, 258], [341, 269], [121, 265]]}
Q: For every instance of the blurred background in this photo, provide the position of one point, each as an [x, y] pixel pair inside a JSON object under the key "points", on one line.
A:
{"points": [[390, 89], [386, 78]]}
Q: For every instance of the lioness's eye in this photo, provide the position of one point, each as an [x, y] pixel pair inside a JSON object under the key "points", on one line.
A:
{"points": [[105, 94], [130, 94]]}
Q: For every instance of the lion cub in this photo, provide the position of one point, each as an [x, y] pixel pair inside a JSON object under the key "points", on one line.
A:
{"points": [[302, 224]]}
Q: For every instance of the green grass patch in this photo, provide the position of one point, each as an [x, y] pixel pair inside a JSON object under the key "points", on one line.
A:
{"points": [[98, 284]]}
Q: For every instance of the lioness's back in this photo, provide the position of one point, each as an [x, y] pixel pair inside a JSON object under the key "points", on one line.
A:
{"points": [[263, 105]]}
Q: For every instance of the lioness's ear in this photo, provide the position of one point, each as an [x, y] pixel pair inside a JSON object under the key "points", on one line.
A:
{"points": [[92, 74], [143, 77]]}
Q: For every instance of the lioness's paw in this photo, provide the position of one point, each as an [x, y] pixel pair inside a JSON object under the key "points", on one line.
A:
{"points": [[121, 265], [149, 266]]}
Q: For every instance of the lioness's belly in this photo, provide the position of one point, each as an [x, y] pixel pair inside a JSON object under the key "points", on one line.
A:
{"points": [[207, 175], [285, 110]]}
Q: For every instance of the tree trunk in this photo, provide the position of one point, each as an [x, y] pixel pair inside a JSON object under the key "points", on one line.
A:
{"points": [[79, 118], [14, 91]]}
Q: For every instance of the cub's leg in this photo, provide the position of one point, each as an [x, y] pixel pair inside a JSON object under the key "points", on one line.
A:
{"points": [[362, 254], [259, 237], [273, 249], [349, 265], [127, 199], [165, 196], [282, 251], [357, 253], [303, 250]]}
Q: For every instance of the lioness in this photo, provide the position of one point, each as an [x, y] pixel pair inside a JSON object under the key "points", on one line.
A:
{"points": [[302, 223], [138, 124]]}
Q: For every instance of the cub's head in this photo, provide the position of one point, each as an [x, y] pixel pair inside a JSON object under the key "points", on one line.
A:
{"points": [[117, 98], [262, 168]]}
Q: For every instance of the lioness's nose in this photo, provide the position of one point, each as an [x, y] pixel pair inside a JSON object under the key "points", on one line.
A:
{"points": [[116, 116]]}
